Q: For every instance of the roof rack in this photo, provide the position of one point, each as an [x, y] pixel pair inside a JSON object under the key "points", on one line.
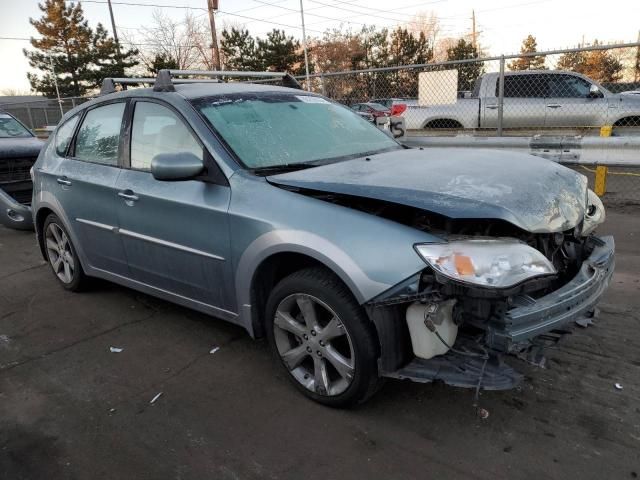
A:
{"points": [[165, 80], [109, 84]]}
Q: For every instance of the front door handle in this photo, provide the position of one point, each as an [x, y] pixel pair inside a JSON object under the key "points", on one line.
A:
{"points": [[492, 107], [554, 105], [64, 181], [128, 195]]}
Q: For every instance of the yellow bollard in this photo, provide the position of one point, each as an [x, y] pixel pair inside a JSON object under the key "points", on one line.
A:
{"points": [[606, 131], [601, 180]]}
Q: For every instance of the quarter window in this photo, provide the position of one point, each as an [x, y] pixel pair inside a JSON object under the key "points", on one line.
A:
{"points": [[99, 134], [64, 134], [156, 129]]}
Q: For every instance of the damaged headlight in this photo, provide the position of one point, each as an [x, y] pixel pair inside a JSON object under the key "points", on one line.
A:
{"points": [[594, 214], [488, 262]]}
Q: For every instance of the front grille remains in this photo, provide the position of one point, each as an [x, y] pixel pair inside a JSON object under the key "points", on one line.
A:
{"points": [[15, 169]]}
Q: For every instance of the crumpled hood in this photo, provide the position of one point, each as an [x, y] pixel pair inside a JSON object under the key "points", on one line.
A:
{"points": [[20, 147], [531, 193]]}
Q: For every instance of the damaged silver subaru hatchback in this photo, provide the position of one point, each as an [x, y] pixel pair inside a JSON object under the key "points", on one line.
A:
{"points": [[289, 215]]}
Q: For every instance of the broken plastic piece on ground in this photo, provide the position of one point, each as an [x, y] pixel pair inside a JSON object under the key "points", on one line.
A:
{"points": [[115, 349], [619, 386], [584, 322], [214, 349], [483, 413], [155, 398]]}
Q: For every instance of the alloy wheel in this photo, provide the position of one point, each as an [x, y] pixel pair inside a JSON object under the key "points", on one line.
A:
{"points": [[60, 253], [314, 344]]}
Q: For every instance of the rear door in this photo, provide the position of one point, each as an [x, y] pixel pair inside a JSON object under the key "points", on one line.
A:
{"points": [[525, 102], [175, 234], [85, 182], [570, 105]]}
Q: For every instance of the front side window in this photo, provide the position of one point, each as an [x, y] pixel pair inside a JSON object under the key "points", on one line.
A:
{"points": [[277, 129], [10, 127], [568, 86], [524, 86], [156, 129], [99, 134], [64, 134]]}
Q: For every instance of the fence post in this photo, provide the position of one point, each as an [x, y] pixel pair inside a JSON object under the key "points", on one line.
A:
{"points": [[501, 96], [46, 116], [31, 124], [323, 90], [73, 102]]}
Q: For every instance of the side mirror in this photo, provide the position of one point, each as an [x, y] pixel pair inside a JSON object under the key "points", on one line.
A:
{"points": [[594, 92], [176, 166]]}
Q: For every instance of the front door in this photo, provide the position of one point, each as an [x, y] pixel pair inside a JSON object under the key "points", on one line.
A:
{"points": [[176, 234], [570, 103]]}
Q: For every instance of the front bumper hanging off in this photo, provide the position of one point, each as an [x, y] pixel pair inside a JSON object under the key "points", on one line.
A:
{"points": [[559, 308], [516, 328], [14, 214]]}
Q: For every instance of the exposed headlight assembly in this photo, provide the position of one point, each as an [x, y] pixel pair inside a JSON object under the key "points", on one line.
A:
{"points": [[495, 263], [594, 214]]}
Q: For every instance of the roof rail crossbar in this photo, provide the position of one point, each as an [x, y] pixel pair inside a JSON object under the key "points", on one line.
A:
{"points": [[109, 84], [165, 81]]}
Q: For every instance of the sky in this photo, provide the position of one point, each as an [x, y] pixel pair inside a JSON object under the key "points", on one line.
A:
{"points": [[502, 24]]}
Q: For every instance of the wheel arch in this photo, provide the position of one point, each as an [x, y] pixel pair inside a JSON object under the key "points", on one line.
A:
{"points": [[443, 122], [627, 121], [278, 253]]}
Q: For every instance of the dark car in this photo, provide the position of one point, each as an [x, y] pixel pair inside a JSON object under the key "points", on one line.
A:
{"points": [[19, 149]]}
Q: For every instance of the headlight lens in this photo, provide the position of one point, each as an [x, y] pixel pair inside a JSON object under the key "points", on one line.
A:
{"points": [[488, 262], [594, 214]]}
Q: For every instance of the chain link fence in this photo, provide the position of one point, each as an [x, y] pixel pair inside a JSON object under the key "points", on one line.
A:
{"points": [[39, 114]]}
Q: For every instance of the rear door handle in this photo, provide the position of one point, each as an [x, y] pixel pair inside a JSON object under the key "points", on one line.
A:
{"points": [[64, 181], [492, 107], [128, 195], [554, 105]]}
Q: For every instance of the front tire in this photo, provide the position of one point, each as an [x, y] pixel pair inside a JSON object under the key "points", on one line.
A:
{"points": [[322, 338], [62, 255]]}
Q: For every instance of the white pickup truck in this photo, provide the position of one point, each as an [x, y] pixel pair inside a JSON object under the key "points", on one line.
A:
{"points": [[532, 99]]}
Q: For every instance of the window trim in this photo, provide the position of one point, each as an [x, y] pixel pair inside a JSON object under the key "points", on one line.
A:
{"points": [[71, 152], [212, 171], [77, 115], [563, 76]]}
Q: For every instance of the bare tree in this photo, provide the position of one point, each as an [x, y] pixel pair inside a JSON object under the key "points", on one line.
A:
{"points": [[426, 23], [185, 43]]}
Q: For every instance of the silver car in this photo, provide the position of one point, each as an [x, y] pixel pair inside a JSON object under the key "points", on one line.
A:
{"points": [[289, 215]]}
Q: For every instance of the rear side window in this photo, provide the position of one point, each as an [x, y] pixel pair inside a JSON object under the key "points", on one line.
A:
{"points": [[99, 134], [525, 86], [64, 134], [157, 129]]}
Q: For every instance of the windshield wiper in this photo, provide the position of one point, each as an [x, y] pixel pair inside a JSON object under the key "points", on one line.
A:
{"points": [[287, 167]]}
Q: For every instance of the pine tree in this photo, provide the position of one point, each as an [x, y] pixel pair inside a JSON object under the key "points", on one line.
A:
{"points": [[599, 65], [467, 72], [280, 53], [80, 57], [161, 62], [239, 50], [529, 45]]}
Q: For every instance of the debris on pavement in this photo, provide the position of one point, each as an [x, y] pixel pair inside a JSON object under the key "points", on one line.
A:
{"points": [[584, 322], [214, 350], [155, 398], [115, 349], [483, 413], [619, 386]]}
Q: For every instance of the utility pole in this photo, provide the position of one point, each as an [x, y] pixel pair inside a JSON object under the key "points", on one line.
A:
{"points": [[113, 28], [304, 46], [212, 6], [474, 35]]}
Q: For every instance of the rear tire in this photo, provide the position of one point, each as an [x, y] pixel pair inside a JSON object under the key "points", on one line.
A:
{"points": [[62, 256], [330, 351]]}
